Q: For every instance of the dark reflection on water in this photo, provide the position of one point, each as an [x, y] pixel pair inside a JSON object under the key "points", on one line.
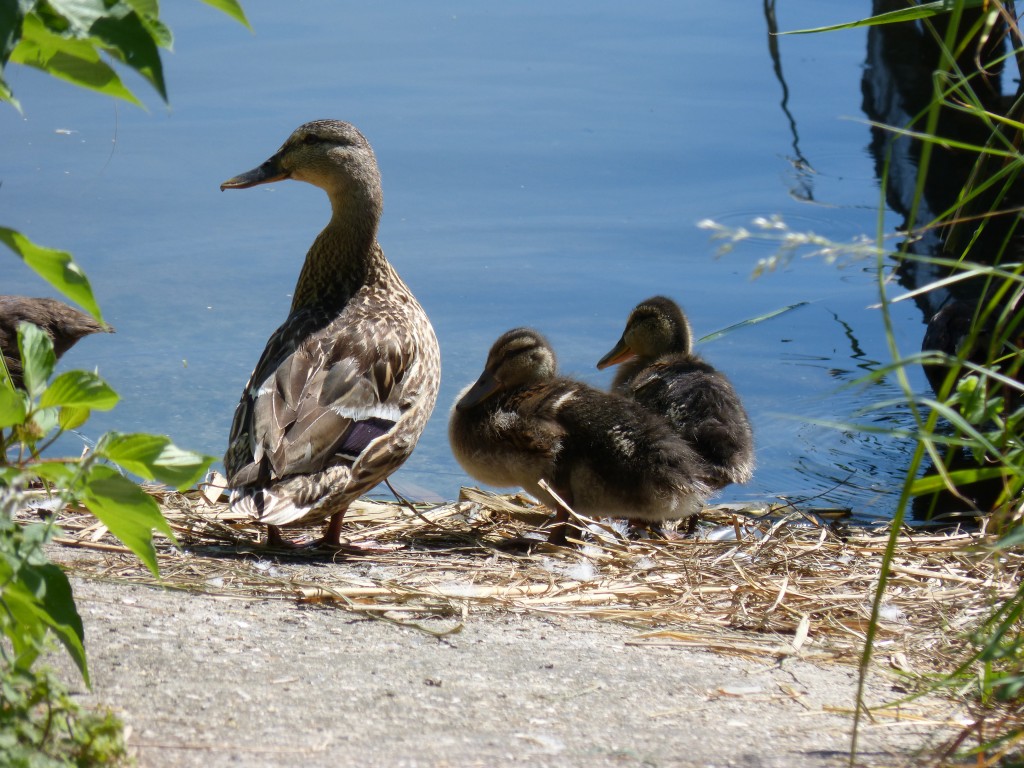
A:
{"points": [[542, 164]]}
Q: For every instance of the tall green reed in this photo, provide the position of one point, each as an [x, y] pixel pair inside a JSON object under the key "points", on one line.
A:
{"points": [[969, 429]]}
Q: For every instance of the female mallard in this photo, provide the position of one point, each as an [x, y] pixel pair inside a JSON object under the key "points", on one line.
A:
{"points": [[661, 372], [602, 454], [345, 386], [63, 324]]}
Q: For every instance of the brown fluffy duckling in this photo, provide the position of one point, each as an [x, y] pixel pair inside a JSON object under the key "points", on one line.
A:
{"points": [[521, 423], [63, 324], [660, 372], [346, 385]]}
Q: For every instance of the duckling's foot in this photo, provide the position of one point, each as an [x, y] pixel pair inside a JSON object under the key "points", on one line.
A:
{"points": [[687, 529], [518, 544], [644, 529], [556, 536], [560, 533]]}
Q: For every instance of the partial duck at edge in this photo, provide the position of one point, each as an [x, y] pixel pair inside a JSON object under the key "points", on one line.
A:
{"points": [[63, 324]]}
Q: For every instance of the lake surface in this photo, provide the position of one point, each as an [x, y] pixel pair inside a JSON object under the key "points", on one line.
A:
{"points": [[543, 164]]}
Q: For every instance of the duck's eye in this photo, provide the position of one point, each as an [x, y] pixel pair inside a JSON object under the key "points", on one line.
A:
{"points": [[310, 139]]}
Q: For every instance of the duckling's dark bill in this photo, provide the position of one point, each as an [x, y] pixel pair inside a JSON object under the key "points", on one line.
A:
{"points": [[484, 387], [265, 174]]}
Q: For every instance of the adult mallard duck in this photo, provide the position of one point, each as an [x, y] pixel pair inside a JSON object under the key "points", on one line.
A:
{"points": [[346, 385], [660, 372], [602, 454], [63, 324]]}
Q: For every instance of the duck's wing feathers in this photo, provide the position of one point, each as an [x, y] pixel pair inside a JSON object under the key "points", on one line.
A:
{"points": [[319, 398]]}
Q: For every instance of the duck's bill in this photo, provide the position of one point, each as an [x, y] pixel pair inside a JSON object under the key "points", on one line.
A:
{"points": [[619, 354], [484, 387], [266, 173]]}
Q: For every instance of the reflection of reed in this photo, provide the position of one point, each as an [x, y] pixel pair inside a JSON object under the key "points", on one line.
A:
{"points": [[924, 181], [801, 165], [955, 180]]}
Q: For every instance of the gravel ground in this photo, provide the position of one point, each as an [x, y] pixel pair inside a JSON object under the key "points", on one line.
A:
{"points": [[207, 681]]}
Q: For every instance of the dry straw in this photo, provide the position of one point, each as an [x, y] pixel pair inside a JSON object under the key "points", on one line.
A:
{"points": [[753, 582]]}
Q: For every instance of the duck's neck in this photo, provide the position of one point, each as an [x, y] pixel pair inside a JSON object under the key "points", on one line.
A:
{"points": [[344, 257], [627, 372]]}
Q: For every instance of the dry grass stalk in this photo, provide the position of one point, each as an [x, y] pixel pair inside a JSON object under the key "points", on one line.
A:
{"points": [[780, 590]]}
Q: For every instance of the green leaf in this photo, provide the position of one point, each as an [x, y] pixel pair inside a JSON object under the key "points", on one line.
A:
{"points": [[975, 404], [60, 473], [1013, 539], [51, 585], [1009, 688], [72, 417], [124, 34], [232, 8], [13, 407], [154, 457], [75, 17], [37, 357], [12, 14], [56, 267], [76, 61], [960, 478], [29, 629], [149, 12], [145, 8], [913, 13], [7, 95], [82, 389], [44, 420], [39, 597], [5, 375], [129, 513]]}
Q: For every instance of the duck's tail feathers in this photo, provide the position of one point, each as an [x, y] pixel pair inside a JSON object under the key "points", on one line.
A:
{"points": [[267, 507], [297, 499]]}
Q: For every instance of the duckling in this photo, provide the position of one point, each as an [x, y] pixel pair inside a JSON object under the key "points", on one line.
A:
{"points": [[660, 372], [347, 383], [602, 454], [63, 324]]}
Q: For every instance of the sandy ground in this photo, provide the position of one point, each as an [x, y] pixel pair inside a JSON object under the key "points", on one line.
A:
{"points": [[207, 681]]}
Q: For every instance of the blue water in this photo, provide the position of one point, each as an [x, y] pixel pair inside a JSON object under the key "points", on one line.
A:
{"points": [[543, 164]]}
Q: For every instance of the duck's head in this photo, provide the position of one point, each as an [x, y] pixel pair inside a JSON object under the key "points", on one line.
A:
{"points": [[330, 154], [655, 327], [518, 358]]}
